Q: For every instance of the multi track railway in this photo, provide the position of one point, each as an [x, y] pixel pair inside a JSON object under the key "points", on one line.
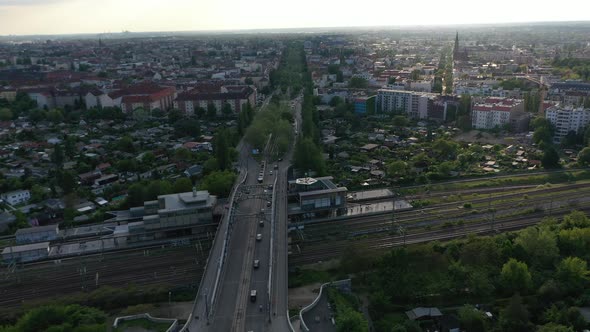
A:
{"points": [[147, 266], [493, 210]]}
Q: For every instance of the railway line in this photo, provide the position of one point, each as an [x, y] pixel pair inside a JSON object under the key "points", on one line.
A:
{"points": [[450, 212], [144, 267], [326, 240], [321, 251]]}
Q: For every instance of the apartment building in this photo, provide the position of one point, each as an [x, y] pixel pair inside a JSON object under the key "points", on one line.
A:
{"points": [[237, 96], [566, 119], [492, 112], [415, 105]]}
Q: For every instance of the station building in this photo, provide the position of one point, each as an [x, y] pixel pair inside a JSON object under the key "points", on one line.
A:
{"points": [[314, 198], [173, 215]]}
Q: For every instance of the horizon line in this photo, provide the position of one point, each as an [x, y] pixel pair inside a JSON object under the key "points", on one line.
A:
{"points": [[275, 30]]}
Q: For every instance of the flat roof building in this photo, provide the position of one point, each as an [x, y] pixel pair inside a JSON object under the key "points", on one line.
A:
{"points": [[169, 216], [26, 253], [311, 198], [36, 234]]}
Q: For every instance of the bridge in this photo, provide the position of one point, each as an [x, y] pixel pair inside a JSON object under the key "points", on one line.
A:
{"points": [[254, 227]]}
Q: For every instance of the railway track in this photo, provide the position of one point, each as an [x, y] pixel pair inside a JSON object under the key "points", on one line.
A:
{"points": [[448, 212], [321, 251], [180, 266]]}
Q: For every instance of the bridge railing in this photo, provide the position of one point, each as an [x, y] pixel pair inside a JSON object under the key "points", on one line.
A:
{"points": [[220, 261]]}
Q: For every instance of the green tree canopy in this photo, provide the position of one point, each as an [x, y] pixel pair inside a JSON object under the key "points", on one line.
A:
{"points": [[515, 277], [5, 114], [572, 273], [182, 185], [515, 317], [471, 319], [540, 245], [219, 183]]}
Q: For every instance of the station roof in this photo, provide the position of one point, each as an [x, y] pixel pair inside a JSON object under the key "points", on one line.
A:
{"points": [[25, 248]]}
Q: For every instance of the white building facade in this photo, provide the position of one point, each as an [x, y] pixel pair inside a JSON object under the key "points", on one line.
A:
{"points": [[566, 119], [16, 197], [413, 104]]}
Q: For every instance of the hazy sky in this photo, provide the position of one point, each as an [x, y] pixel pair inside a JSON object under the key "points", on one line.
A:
{"points": [[95, 16]]}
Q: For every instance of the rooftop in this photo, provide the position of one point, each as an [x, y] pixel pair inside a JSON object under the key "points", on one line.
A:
{"points": [[26, 247]]}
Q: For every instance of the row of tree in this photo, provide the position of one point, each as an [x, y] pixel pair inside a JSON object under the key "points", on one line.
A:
{"points": [[535, 278]]}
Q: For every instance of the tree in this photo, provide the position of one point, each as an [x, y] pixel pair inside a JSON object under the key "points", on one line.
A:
{"points": [[552, 327], [540, 245], [55, 116], [358, 83], [226, 109], [54, 318], [200, 112], [221, 148], [157, 188], [400, 121], [125, 144], [576, 219], [515, 277], [182, 185], [188, 127], [211, 111], [36, 115], [397, 168], [218, 183], [136, 194], [140, 115], [5, 114], [335, 101], [544, 131], [550, 158], [349, 320], [67, 181], [57, 157], [70, 147], [515, 317], [175, 115], [308, 156], [471, 319], [584, 156], [148, 158], [572, 273]]}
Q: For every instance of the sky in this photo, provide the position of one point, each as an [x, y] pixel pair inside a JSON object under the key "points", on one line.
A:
{"points": [[24, 17]]}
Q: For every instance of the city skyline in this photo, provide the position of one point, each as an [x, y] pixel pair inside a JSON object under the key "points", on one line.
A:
{"points": [[40, 17]]}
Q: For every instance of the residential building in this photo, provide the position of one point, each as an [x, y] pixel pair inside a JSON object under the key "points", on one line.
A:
{"points": [[237, 96], [566, 119], [414, 104], [148, 96], [16, 197], [498, 112]]}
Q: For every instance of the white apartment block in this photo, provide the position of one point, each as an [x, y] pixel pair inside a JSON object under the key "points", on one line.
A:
{"points": [[495, 112], [566, 119], [16, 197], [414, 104]]}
